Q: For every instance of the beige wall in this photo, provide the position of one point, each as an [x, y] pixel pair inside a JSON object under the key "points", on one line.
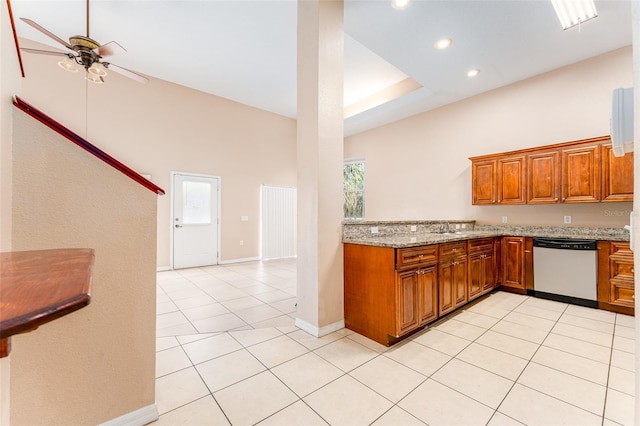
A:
{"points": [[98, 363], [10, 84], [418, 168], [162, 127]]}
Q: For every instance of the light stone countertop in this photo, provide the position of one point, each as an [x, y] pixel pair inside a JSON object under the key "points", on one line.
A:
{"points": [[415, 239]]}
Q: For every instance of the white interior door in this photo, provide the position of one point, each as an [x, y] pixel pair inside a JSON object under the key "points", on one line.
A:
{"points": [[278, 222], [195, 220]]}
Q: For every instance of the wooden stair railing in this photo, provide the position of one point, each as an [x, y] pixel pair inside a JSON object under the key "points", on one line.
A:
{"points": [[86, 145]]}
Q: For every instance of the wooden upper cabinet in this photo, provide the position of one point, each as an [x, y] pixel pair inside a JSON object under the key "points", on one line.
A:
{"points": [[484, 182], [581, 174], [617, 175], [512, 177], [543, 178], [583, 171]]}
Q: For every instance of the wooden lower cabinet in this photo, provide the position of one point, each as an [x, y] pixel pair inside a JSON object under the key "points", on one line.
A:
{"points": [[452, 277], [616, 273], [389, 293], [417, 298], [517, 264], [481, 276]]}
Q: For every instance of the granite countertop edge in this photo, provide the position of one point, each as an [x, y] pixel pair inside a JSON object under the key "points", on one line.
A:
{"points": [[407, 240]]}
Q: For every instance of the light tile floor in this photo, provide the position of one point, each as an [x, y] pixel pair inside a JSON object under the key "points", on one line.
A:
{"points": [[228, 353]]}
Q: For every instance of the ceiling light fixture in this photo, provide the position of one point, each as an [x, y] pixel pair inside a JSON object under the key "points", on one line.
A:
{"points": [[94, 78], [400, 4], [473, 73], [97, 69], [574, 12], [443, 43], [68, 65]]}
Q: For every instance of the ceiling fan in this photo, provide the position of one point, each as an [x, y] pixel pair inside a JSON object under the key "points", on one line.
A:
{"points": [[87, 53]]}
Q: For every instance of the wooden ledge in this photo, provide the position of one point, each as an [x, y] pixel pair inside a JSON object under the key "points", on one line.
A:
{"points": [[40, 286]]}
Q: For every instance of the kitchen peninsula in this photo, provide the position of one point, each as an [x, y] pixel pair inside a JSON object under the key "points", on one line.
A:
{"points": [[401, 276]]}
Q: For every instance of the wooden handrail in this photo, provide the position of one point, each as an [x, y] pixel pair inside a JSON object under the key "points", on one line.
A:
{"points": [[86, 145]]}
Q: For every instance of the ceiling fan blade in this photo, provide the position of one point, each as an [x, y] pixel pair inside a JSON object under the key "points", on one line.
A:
{"points": [[126, 72], [47, 32], [109, 49], [44, 52]]}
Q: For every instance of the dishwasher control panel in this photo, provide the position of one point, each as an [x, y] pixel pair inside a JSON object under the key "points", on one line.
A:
{"points": [[565, 244]]}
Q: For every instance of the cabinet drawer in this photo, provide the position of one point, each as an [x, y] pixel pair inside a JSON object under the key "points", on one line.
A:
{"points": [[621, 267], [453, 249], [621, 249], [622, 293], [480, 244], [417, 256]]}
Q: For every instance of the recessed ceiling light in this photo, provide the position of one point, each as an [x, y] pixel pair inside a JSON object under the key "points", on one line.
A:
{"points": [[400, 4], [473, 73], [443, 43]]}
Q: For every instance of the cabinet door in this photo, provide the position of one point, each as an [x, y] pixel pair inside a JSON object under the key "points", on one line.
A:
{"points": [[513, 262], [445, 287], [617, 175], [428, 292], [581, 174], [484, 182], [460, 281], [475, 279], [512, 180], [543, 178], [407, 301], [488, 272]]}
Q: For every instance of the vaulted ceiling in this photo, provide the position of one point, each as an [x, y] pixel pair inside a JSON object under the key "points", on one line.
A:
{"points": [[246, 50]]}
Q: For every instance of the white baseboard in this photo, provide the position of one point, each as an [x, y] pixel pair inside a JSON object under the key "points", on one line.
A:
{"points": [[319, 331], [246, 259], [140, 417], [163, 268]]}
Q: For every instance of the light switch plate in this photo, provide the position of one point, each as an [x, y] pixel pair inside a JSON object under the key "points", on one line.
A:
{"points": [[567, 219], [374, 229]]}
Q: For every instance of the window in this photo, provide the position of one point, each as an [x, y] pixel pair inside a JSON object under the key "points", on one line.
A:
{"points": [[353, 174]]}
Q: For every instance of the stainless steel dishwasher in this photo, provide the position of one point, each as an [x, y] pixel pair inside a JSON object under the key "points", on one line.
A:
{"points": [[566, 270]]}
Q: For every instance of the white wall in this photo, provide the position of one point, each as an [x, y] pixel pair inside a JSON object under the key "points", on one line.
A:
{"points": [[418, 168], [162, 127]]}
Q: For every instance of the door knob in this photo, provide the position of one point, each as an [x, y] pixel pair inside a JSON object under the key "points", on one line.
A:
{"points": [[178, 226]]}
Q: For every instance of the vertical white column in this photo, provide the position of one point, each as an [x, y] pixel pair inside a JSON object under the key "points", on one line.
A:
{"points": [[635, 24], [320, 157]]}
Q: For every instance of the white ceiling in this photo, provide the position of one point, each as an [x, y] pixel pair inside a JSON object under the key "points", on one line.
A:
{"points": [[246, 50]]}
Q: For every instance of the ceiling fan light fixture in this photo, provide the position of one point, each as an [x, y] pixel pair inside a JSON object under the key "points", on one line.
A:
{"points": [[97, 69], [400, 4], [68, 65], [574, 12], [94, 78]]}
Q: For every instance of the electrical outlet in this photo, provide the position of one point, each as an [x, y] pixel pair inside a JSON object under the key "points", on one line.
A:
{"points": [[505, 219], [374, 229], [244, 218], [457, 226], [567, 219], [414, 228], [241, 242]]}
